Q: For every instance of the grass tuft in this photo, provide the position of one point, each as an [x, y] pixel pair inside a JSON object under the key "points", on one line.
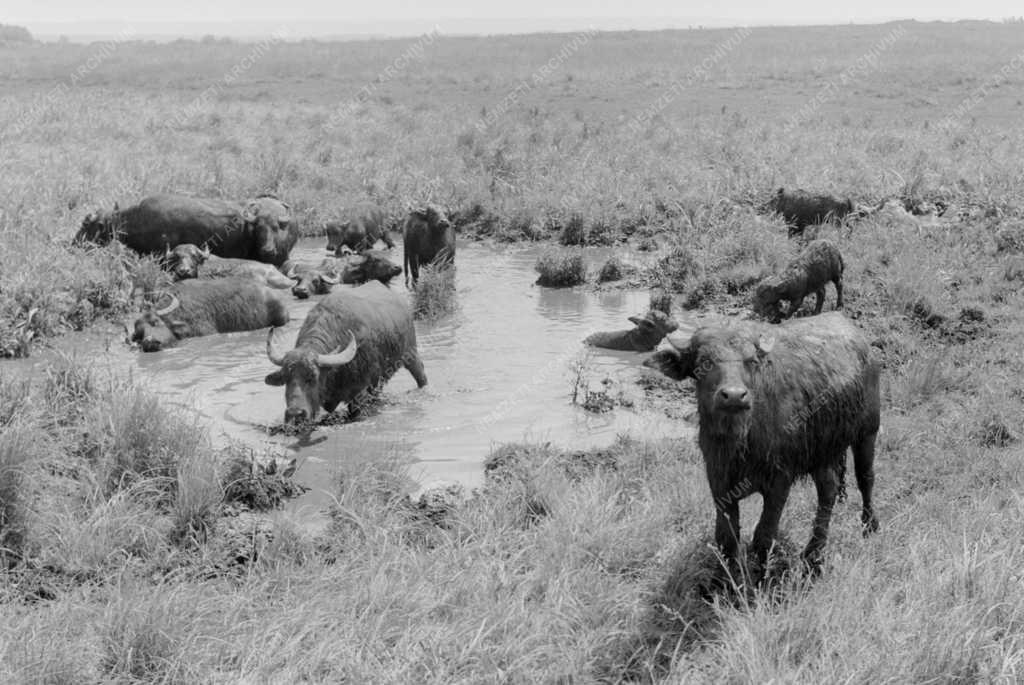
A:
{"points": [[612, 270], [434, 296], [561, 268]]}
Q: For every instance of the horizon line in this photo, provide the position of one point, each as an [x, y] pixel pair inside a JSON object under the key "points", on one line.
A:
{"points": [[379, 28]]}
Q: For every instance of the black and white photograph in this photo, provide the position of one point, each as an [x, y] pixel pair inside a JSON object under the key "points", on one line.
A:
{"points": [[454, 342]]}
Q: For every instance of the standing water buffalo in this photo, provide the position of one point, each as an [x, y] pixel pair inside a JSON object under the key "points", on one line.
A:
{"points": [[201, 307], [819, 263], [351, 343], [262, 229], [801, 209], [360, 229], [776, 403], [370, 265], [650, 329], [428, 237], [188, 261]]}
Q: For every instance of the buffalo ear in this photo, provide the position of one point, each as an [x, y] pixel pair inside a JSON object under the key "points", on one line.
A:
{"points": [[275, 378], [250, 212], [764, 346], [179, 328], [671, 362]]}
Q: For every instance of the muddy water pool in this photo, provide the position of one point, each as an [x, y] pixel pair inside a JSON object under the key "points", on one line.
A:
{"points": [[501, 368]]}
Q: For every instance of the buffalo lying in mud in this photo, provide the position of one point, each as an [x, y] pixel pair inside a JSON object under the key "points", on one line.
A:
{"points": [[262, 229], [353, 269], [188, 261], [801, 209], [205, 307], [429, 237], [648, 332], [819, 263], [360, 229], [777, 402], [350, 344]]}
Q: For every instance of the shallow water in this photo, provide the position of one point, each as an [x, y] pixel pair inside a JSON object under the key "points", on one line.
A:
{"points": [[500, 369]]}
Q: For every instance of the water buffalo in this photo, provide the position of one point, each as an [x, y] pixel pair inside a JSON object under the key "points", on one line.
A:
{"points": [[819, 263], [649, 331], [777, 402], [188, 261], [261, 229], [428, 237], [350, 344], [801, 209], [205, 307], [370, 265], [360, 229]]}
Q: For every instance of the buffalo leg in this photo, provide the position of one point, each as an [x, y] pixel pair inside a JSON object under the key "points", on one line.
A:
{"points": [[414, 365], [727, 519], [864, 467], [767, 529], [414, 270], [826, 480], [794, 306], [387, 239], [819, 300], [727, 529], [361, 401], [839, 292]]}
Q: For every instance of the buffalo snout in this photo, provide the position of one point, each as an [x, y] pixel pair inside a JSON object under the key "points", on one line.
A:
{"points": [[732, 398], [150, 345], [295, 416], [301, 292]]}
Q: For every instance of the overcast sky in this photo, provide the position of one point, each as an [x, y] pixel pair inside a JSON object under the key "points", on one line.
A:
{"points": [[378, 15]]}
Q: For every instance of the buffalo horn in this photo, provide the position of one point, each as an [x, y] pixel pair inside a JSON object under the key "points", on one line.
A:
{"points": [[339, 356], [169, 308], [680, 338], [272, 354]]}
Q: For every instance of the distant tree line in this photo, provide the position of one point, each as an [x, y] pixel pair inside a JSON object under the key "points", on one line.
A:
{"points": [[14, 34]]}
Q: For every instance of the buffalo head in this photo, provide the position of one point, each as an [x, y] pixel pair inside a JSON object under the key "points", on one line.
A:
{"points": [[369, 265], [766, 298], [155, 328], [653, 326], [433, 216], [337, 235], [301, 373], [273, 228], [312, 281], [97, 227], [184, 260], [722, 362]]}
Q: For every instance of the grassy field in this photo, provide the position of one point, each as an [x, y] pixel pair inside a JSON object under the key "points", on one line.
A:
{"points": [[131, 554]]}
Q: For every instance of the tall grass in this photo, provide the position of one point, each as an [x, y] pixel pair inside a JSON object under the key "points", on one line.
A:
{"points": [[434, 295], [15, 451]]}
